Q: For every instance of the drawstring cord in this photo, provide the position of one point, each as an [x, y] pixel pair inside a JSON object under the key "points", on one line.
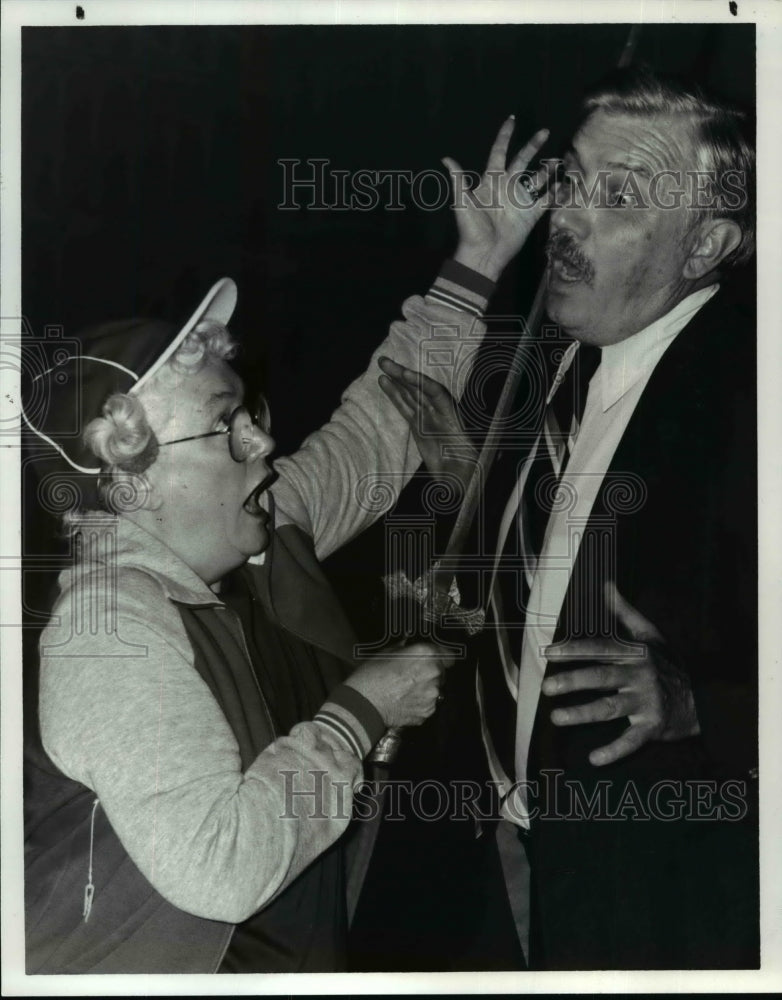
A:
{"points": [[89, 889]]}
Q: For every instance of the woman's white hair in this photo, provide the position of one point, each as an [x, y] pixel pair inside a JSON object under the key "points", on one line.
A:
{"points": [[121, 437]]}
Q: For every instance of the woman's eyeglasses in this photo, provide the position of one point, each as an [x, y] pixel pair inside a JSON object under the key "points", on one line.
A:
{"points": [[240, 430]]}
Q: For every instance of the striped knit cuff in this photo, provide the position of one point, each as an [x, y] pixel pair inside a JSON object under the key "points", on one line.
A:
{"points": [[353, 718], [462, 288]]}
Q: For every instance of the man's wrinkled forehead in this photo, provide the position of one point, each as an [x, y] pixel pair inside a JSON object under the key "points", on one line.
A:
{"points": [[645, 144]]}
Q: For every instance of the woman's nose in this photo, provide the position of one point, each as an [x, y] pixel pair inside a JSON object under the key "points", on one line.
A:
{"points": [[262, 444]]}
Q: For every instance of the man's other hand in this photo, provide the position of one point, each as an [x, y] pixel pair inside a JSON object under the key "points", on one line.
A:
{"points": [[429, 409], [403, 684], [645, 686]]}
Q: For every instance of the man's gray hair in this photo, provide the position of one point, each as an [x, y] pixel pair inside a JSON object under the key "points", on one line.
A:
{"points": [[721, 140]]}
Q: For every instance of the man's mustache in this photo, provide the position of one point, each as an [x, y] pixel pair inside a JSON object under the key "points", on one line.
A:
{"points": [[562, 245]]}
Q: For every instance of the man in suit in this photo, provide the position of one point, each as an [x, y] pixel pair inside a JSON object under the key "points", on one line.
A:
{"points": [[617, 675]]}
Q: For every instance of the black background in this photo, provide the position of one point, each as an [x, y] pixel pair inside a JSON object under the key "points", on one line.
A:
{"points": [[149, 170]]}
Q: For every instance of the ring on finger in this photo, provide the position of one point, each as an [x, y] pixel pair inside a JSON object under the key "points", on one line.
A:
{"points": [[527, 185]]}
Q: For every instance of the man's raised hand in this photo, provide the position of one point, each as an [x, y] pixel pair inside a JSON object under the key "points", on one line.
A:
{"points": [[495, 218]]}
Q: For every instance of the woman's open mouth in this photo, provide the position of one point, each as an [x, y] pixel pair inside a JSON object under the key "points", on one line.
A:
{"points": [[252, 505]]}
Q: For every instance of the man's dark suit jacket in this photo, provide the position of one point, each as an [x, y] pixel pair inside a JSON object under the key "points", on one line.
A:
{"points": [[679, 503], [617, 893]]}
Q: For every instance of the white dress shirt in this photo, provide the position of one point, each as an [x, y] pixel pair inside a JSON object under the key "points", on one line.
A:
{"points": [[614, 392]]}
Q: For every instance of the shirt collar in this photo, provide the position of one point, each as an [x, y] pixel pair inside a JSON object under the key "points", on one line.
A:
{"points": [[623, 364]]}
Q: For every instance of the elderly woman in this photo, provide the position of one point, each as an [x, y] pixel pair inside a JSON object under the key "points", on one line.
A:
{"points": [[203, 721]]}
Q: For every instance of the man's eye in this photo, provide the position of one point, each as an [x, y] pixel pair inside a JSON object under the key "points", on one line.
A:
{"points": [[621, 199], [223, 422]]}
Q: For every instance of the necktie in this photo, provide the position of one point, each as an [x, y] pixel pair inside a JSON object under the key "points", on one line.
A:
{"points": [[561, 424], [499, 648]]}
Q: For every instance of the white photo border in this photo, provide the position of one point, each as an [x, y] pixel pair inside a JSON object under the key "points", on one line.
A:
{"points": [[768, 19]]}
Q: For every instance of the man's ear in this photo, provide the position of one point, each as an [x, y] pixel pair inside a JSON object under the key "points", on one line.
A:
{"points": [[712, 241]]}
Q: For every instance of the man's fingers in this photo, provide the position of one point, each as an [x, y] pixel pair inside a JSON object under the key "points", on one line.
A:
{"points": [[542, 178], [416, 400], [389, 366], [640, 628], [594, 678], [411, 375], [542, 184], [434, 393], [601, 648], [409, 386], [402, 374], [632, 739], [498, 153], [525, 154], [460, 181], [422, 388], [454, 169], [398, 398], [602, 710], [418, 409], [499, 150], [406, 381], [437, 394]]}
